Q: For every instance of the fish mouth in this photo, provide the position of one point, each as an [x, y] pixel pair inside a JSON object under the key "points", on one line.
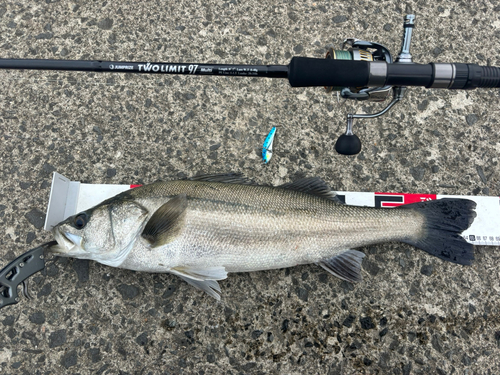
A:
{"points": [[73, 238], [66, 242]]}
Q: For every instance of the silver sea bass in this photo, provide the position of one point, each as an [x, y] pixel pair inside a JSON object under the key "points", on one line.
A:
{"points": [[201, 229]]}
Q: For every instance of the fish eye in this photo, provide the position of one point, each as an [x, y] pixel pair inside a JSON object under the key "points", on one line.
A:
{"points": [[80, 221]]}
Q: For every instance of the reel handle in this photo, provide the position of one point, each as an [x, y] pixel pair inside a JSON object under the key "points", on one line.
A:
{"points": [[348, 143]]}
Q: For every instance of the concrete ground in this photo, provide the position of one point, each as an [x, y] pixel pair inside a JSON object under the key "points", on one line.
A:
{"points": [[412, 314]]}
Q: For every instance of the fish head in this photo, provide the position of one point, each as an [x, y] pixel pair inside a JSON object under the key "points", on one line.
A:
{"points": [[105, 233]]}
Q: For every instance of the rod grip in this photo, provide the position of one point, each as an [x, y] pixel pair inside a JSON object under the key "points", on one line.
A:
{"points": [[306, 71], [470, 76]]}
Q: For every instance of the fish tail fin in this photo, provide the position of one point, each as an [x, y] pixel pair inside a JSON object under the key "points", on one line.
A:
{"points": [[445, 220]]}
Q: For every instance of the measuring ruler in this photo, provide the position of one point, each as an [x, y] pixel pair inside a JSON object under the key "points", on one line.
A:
{"points": [[485, 230], [69, 197]]}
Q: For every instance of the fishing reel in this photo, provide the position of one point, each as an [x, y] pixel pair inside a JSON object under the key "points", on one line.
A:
{"points": [[361, 50]]}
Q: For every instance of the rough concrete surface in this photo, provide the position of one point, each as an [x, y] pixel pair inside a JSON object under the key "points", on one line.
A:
{"points": [[412, 314]]}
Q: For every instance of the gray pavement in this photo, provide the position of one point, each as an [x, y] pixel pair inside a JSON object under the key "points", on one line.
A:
{"points": [[412, 314]]}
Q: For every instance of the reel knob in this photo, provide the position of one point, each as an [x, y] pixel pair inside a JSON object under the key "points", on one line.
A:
{"points": [[348, 144]]}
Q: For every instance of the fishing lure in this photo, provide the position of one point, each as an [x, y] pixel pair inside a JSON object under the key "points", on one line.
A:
{"points": [[267, 147]]}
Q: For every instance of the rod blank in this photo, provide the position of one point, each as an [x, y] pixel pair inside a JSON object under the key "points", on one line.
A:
{"points": [[270, 71]]}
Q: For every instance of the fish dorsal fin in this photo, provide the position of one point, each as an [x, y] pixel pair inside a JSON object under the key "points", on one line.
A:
{"points": [[314, 186], [166, 222], [202, 278], [345, 266], [227, 178]]}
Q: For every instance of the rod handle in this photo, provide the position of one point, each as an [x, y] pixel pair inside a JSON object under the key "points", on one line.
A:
{"points": [[307, 71]]}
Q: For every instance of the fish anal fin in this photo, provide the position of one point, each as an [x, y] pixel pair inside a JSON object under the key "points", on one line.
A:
{"points": [[314, 186], [345, 266], [166, 222], [202, 278]]}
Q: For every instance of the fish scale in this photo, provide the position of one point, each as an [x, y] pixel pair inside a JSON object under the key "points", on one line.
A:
{"points": [[202, 229], [258, 221]]}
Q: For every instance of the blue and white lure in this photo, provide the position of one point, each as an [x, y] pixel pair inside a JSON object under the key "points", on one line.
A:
{"points": [[267, 147]]}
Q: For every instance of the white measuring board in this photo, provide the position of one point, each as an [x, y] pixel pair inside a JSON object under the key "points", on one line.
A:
{"points": [[69, 197]]}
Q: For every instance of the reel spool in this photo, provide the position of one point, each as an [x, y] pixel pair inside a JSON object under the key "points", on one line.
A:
{"points": [[361, 50]]}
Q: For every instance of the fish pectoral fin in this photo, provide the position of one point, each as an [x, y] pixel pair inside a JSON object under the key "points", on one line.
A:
{"points": [[202, 278], [166, 222], [345, 266]]}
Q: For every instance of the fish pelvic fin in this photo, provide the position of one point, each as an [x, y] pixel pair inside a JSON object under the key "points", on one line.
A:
{"points": [[203, 278], [445, 220], [166, 222], [345, 266]]}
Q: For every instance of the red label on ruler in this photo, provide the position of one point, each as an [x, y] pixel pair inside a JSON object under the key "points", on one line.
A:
{"points": [[398, 199]]}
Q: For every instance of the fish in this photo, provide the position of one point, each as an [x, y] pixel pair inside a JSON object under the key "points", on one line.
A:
{"points": [[267, 147], [205, 227]]}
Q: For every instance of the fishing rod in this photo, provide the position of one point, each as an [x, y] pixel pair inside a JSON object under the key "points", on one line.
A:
{"points": [[361, 71]]}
